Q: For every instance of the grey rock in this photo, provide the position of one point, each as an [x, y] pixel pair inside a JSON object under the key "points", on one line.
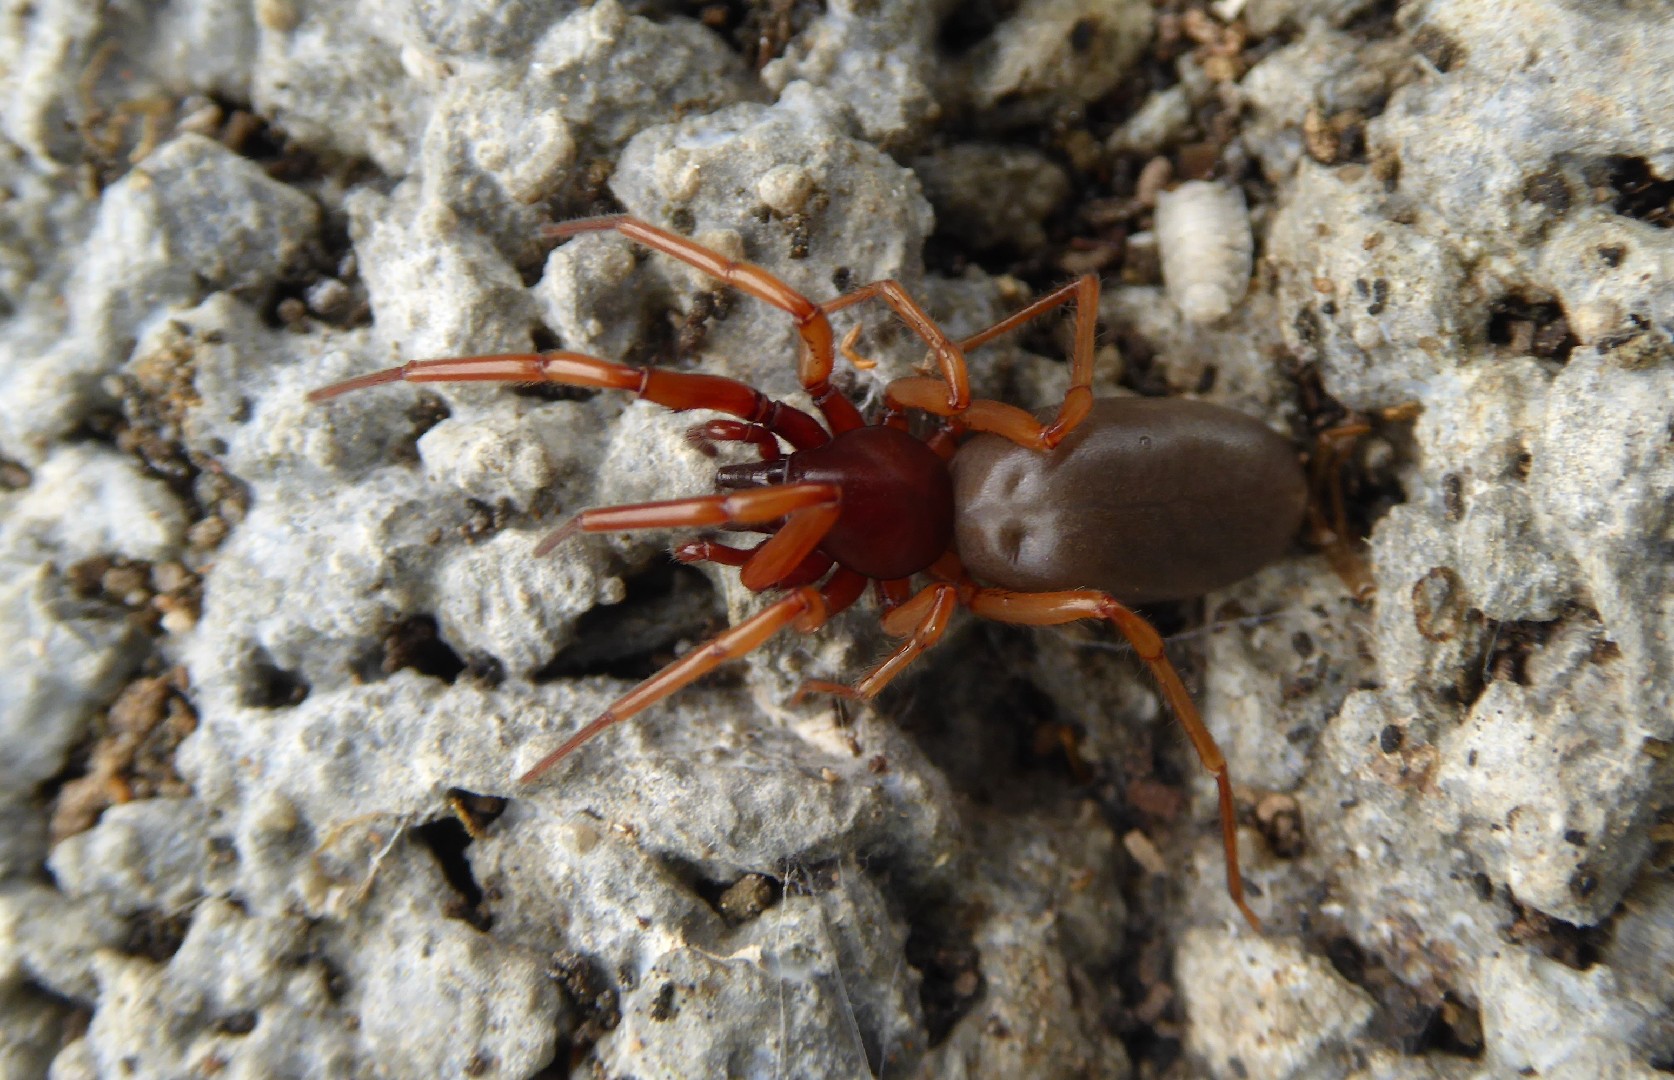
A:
{"points": [[335, 76], [1334, 75], [880, 59], [815, 968], [1551, 1018], [1049, 51], [1478, 756], [126, 512], [990, 195], [1265, 17], [81, 656], [192, 218], [150, 854], [1280, 1012], [477, 31], [506, 138], [31, 1028], [1038, 915], [85, 84], [1158, 123]]}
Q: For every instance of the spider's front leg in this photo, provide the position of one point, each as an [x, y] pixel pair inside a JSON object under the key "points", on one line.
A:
{"points": [[819, 355], [936, 396], [675, 390]]}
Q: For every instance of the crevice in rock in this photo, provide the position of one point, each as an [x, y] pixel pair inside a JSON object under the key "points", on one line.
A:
{"points": [[263, 684], [416, 642], [447, 838], [665, 606]]}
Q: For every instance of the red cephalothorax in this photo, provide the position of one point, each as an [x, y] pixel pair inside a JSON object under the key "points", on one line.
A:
{"points": [[1066, 517]]}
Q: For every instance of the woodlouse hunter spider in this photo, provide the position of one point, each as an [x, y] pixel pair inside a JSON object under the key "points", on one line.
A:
{"points": [[1032, 521]]}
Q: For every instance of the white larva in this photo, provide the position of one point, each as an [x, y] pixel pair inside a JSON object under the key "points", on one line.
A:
{"points": [[1203, 233]]}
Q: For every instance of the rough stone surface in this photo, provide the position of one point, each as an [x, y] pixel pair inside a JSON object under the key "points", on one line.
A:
{"points": [[1454, 792], [1292, 1012], [1050, 53], [880, 59], [992, 195]]}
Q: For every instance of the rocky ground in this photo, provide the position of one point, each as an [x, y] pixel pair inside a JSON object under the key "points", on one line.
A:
{"points": [[273, 667]]}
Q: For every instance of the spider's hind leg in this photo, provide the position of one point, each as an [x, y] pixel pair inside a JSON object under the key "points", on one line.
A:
{"points": [[1054, 608]]}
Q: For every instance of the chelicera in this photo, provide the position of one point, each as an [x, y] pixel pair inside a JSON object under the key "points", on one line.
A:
{"points": [[1031, 520]]}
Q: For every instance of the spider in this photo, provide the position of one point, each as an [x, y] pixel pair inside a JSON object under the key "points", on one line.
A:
{"points": [[1032, 520]]}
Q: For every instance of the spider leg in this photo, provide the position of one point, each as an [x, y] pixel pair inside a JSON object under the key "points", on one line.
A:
{"points": [[921, 620], [1078, 398], [809, 511], [1019, 425], [1053, 608], [892, 594], [846, 347], [780, 556], [809, 570], [704, 437], [955, 380], [944, 441], [806, 608], [1328, 526], [818, 350], [678, 391]]}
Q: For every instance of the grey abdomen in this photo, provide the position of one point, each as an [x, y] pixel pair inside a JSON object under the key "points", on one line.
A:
{"points": [[1148, 499]]}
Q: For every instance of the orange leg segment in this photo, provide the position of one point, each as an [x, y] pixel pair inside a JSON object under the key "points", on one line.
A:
{"points": [[754, 507], [705, 550], [1053, 608], [675, 390], [785, 551], [819, 354], [1328, 528], [1009, 421], [1084, 291], [892, 594], [806, 608], [922, 620], [704, 437], [811, 569], [949, 357]]}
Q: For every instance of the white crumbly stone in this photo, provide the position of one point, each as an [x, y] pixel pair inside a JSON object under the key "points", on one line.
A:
{"points": [[87, 501], [452, 293], [1332, 74], [1543, 1016], [1478, 756], [484, 461], [1270, 1008], [1157, 123], [1046, 912], [1506, 752], [69, 656], [1298, 659], [191, 219], [331, 74], [145, 855], [879, 58], [1050, 52], [1267, 16]]}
